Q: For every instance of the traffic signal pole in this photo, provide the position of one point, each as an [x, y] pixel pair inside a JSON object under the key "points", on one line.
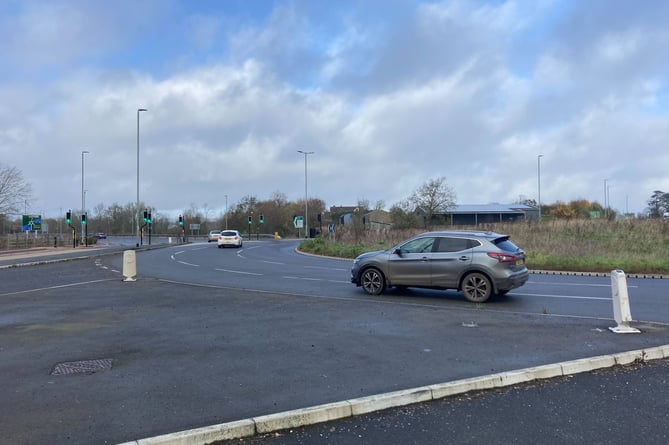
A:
{"points": [[68, 220]]}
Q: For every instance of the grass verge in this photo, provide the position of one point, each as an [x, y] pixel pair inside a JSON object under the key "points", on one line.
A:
{"points": [[634, 246]]}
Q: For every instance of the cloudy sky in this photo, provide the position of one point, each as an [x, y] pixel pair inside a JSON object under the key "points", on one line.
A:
{"points": [[386, 94]]}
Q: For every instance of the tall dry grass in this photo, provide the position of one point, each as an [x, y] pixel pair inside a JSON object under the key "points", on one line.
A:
{"points": [[635, 246]]}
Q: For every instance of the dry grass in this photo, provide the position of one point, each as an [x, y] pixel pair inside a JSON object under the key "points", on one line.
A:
{"points": [[635, 246]]}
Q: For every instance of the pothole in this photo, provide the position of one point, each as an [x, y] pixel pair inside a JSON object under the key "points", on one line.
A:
{"points": [[82, 367]]}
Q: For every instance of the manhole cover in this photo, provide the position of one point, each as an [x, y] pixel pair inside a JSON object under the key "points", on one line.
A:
{"points": [[82, 367]]}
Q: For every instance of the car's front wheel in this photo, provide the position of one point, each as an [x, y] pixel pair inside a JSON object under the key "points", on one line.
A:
{"points": [[477, 287], [372, 281]]}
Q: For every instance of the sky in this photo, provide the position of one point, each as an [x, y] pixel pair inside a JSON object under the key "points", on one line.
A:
{"points": [[554, 100]]}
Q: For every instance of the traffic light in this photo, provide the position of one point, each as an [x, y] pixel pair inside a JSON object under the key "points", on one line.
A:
{"points": [[83, 219], [181, 220], [146, 216], [262, 218], [149, 218], [68, 216], [250, 220], [319, 218]]}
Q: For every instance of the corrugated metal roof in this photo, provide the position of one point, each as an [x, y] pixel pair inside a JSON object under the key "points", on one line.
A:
{"points": [[490, 208]]}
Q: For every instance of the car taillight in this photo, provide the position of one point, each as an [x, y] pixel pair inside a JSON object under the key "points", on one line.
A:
{"points": [[236, 237], [502, 257]]}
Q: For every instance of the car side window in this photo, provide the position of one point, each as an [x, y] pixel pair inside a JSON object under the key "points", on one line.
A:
{"points": [[420, 245], [453, 244]]}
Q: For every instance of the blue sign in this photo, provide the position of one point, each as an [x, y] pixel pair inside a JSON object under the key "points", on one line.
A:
{"points": [[331, 228], [27, 227]]}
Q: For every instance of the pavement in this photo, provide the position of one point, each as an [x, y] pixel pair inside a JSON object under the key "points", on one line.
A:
{"points": [[347, 408]]}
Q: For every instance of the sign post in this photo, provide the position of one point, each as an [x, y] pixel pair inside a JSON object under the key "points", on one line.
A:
{"points": [[298, 222]]}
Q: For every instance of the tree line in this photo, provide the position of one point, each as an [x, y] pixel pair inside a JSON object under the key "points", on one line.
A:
{"points": [[434, 198]]}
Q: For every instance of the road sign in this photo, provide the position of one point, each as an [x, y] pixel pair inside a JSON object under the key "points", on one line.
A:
{"points": [[298, 222], [331, 228], [34, 221], [194, 226]]}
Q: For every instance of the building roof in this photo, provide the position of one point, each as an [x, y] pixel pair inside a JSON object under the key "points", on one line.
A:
{"points": [[490, 208]]}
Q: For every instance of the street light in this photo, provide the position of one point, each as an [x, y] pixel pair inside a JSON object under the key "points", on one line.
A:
{"points": [[606, 211], [83, 194], [137, 206], [226, 212], [539, 182], [306, 199]]}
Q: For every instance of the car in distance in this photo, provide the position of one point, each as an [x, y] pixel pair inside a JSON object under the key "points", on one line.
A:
{"points": [[213, 235], [100, 235], [480, 264], [229, 238]]}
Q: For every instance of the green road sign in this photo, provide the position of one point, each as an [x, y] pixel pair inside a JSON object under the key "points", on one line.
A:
{"points": [[33, 221]]}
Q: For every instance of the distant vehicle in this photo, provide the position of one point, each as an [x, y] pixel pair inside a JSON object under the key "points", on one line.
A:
{"points": [[100, 235], [213, 235], [480, 264], [229, 238]]}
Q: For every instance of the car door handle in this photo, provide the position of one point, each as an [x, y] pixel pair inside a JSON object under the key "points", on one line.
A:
{"points": [[464, 258]]}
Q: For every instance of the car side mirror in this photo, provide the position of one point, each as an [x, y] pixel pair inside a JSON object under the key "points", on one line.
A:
{"points": [[398, 252]]}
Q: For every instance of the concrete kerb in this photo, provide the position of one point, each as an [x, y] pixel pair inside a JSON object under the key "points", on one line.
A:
{"points": [[364, 405]]}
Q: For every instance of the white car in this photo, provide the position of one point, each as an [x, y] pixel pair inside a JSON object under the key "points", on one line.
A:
{"points": [[229, 238], [213, 235]]}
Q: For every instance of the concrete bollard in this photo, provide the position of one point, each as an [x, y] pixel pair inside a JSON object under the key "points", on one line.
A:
{"points": [[129, 265], [621, 307]]}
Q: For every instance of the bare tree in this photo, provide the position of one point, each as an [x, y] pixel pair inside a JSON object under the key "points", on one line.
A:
{"points": [[14, 190], [433, 197]]}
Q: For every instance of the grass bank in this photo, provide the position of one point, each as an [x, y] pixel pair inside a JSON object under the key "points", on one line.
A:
{"points": [[634, 246]]}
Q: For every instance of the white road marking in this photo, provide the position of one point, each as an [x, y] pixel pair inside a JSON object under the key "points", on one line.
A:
{"points": [[56, 287], [238, 272], [571, 284], [569, 297], [189, 264]]}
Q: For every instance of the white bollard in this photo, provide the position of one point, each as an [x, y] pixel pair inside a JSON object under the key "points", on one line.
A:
{"points": [[169, 240], [129, 265], [621, 307]]}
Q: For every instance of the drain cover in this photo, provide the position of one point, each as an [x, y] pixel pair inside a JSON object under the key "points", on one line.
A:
{"points": [[82, 367]]}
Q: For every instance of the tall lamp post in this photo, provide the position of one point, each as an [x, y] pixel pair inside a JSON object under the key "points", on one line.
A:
{"points": [[226, 212], [83, 194], [306, 196], [539, 182], [606, 208], [137, 206]]}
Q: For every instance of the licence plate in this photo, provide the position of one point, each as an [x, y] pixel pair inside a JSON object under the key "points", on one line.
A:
{"points": [[520, 261]]}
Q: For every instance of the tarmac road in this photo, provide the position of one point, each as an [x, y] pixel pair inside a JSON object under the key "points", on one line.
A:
{"points": [[185, 357], [617, 406]]}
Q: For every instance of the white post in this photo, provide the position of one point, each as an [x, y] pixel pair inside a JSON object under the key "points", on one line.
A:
{"points": [[129, 265], [621, 307]]}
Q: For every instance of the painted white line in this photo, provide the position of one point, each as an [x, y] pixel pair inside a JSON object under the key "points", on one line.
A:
{"points": [[571, 284], [238, 272], [273, 262], [188, 264], [324, 268], [570, 297], [56, 287]]}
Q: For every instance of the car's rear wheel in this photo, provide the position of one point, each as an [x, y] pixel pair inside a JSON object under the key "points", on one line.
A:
{"points": [[477, 287], [372, 281]]}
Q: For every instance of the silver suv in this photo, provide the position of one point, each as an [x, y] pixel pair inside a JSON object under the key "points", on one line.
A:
{"points": [[480, 264]]}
